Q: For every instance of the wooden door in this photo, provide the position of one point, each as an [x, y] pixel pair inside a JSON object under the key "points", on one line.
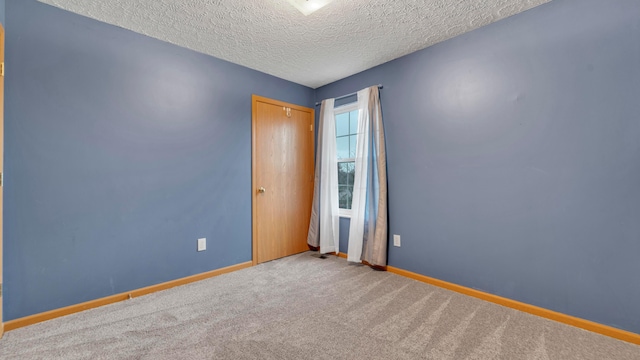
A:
{"points": [[283, 166], [1, 159]]}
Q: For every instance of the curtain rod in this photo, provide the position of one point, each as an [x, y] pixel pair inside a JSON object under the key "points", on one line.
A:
{"points": [[346, 96]]}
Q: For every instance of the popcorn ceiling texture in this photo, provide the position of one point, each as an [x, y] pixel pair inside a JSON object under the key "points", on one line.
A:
{"points": [[341, 39]]}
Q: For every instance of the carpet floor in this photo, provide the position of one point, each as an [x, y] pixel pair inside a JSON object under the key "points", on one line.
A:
{"points": [[303, 307]]}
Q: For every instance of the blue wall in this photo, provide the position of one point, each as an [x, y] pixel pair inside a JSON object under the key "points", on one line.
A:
{"points": [[513, 158], [2, 5], [121, 151]]}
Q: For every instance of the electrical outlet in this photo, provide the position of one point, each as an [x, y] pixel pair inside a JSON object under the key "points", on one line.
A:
{"points": [[396, 240], [202, 244]]}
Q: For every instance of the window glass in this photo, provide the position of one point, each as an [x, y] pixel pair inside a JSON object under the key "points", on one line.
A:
{"points": [[346, 141], [342, 145], [342, 124], [353, 122], [346, 172], [352, 146]]}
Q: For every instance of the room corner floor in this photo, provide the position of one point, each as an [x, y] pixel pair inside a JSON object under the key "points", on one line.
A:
{"points": [[303, 307]]}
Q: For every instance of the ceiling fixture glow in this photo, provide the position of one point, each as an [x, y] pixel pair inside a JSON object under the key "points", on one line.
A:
{"points": [[308, 6]]}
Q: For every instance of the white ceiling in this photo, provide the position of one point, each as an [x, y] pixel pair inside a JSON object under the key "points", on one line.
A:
{"points": [[341, 39]]}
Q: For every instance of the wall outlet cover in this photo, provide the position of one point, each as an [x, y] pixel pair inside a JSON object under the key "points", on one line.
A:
{"points": [[202, 244], [396, 240]]}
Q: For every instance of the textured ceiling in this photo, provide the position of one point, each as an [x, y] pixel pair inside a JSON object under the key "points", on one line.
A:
{"points": [[341, 39]]}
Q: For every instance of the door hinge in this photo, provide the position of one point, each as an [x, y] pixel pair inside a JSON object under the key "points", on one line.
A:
{"points": [[1, 178], [0, 290], [2, 68], [311, 127]]}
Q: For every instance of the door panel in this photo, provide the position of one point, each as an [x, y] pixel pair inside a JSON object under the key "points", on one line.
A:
{"points": [[283, 166]]}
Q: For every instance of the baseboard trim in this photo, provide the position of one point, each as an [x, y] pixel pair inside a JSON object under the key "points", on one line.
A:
{"points": [[342, 255], [52, 314], [531, 309]]}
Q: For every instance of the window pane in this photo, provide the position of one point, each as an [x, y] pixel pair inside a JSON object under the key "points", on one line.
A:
{"points": [[353, 122], [342, 124], [342, 196], [345, 196], [342, 146], [351, 172], [346, 173], [346, 141], [352, 146], [343, 174]]}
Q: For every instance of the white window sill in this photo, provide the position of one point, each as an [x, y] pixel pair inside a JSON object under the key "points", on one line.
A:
{"points": [[344, 213]]}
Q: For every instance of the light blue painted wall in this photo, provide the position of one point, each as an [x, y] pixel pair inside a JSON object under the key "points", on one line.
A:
{"points": [[2, 5], [121, 151], [513, 158]]}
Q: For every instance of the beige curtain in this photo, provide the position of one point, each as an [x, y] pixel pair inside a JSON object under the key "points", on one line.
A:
{"points": [[375, 236]]}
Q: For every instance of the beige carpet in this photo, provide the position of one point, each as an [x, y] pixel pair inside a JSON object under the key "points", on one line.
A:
{"points": [[303, 307]]}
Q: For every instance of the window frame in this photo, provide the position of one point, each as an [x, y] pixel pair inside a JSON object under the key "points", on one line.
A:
{"points": [[346, 108]]}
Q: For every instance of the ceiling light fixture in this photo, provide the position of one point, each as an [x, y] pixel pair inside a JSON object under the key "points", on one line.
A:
{"points": [[308, 6]]}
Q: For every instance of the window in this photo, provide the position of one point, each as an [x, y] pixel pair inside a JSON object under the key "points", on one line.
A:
{"points": [[346, 135]]}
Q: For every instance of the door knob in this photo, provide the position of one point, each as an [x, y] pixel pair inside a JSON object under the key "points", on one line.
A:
{"points": [[262, 190]]}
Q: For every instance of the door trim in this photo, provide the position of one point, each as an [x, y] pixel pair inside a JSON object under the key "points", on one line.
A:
{"points": [[255, 99]]}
